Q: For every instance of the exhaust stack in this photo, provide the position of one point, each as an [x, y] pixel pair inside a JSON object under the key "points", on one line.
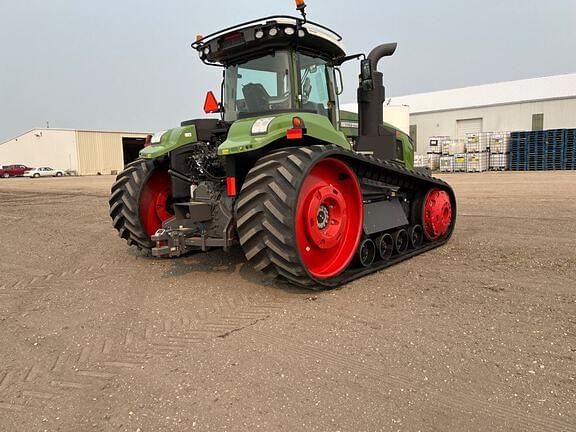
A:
{"points": [[371, 97]]}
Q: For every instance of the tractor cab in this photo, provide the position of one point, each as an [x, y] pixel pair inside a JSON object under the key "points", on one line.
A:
{"points": [[275, 65]]}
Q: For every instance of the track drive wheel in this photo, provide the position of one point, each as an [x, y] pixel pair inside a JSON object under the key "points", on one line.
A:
{"points": [[141, 201], [299, 216]]}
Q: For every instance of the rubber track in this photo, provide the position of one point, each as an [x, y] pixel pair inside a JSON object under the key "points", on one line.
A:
{"points": [[125, 200], [265, 210]]}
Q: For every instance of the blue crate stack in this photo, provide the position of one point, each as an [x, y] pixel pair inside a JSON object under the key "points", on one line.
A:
{"points": [[543, 150], [570, 149]]}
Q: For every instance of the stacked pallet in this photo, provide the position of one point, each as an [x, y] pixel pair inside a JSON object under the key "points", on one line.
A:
{"points": [[450, 147], [477, 143], [499, 151], [498, 162], [435, 143], [434, 161], [460, 162], [420, 160], [429, 160], [447, 164], [499, 142], [542, 150], [434, 153], [571, 149], [477, 162], [477, 152]]}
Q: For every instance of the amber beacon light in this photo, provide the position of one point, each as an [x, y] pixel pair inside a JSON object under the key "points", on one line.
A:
{"points": [[301, 6]]}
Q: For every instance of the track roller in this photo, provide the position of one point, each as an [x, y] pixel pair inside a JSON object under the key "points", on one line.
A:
{"points": [[385, 245], [416, 236], [401, 241], [366, 253]]}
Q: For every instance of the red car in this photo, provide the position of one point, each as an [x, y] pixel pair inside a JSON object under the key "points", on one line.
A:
{"points": [[13, 170]]}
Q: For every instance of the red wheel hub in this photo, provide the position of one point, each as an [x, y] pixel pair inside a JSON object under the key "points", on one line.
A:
{"points": [[329, 218], [436, 214], [154, 201]]}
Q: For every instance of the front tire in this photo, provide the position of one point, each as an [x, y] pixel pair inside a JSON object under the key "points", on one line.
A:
{"points": [[36, 175], [141, 201]]}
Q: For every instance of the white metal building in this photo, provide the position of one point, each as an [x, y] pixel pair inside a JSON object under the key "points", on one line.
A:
{"points": [[531, 104], [82, 151]]}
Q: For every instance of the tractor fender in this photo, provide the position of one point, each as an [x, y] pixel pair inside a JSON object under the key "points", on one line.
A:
{"points": [[170, 140], [254, 133]]}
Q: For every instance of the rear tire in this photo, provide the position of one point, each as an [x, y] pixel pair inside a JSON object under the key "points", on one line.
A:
{"points": [[299, 216], [36, 175], [139, 204]]}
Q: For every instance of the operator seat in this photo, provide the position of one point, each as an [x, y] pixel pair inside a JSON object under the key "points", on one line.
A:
{"points": [[256, 97]]}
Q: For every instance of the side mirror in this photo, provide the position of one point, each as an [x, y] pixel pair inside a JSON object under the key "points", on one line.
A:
{"points": [[211, 104]]}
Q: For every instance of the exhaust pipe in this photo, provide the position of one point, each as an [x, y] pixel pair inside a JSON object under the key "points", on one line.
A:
{"points": [[371, 97], [384, 50]]}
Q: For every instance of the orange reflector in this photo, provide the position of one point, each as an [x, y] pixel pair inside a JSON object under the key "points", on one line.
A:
{"points": [[300, 3], [231, 186], [199, 37], [211, 104], [297, 123], [294, 134]]}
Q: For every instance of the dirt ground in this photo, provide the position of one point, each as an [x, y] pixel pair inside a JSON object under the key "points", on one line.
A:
{"points": [[479, 335]]}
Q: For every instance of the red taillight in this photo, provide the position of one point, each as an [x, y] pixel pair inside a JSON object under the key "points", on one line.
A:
{"points": [[294, 134], [297, 131], [231, 186]]}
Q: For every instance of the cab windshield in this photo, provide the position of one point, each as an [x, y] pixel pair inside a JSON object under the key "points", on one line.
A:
{"points": [[258, 86]]}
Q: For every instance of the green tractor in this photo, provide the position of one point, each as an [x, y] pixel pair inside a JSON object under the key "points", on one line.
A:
{"points": [[312, 195]]}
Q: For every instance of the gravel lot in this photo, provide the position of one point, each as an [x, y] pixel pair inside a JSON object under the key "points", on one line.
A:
{"points": [[479, 335]]}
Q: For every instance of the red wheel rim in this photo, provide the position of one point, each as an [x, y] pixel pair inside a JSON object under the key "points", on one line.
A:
{"points": [[329, 218], [154, 201], [437, 214]]}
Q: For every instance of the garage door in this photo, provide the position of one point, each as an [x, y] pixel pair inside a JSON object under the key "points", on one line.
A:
{"points": [[468, 126]]}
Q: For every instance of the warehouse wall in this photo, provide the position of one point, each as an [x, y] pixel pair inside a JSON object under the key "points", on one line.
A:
{"points": [[558, 114], [101, 152], [47, 147]]}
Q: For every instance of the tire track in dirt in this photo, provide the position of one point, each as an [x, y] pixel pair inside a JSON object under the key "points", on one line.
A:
{"points": [[19, 288], [457, 400], [87, 368]]}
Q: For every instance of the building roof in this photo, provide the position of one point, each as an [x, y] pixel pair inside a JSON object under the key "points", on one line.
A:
{"points": [[504, 93], [74, 130]]}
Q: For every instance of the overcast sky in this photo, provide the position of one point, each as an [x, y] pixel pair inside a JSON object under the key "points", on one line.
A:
{"points": [[128, 65]]}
